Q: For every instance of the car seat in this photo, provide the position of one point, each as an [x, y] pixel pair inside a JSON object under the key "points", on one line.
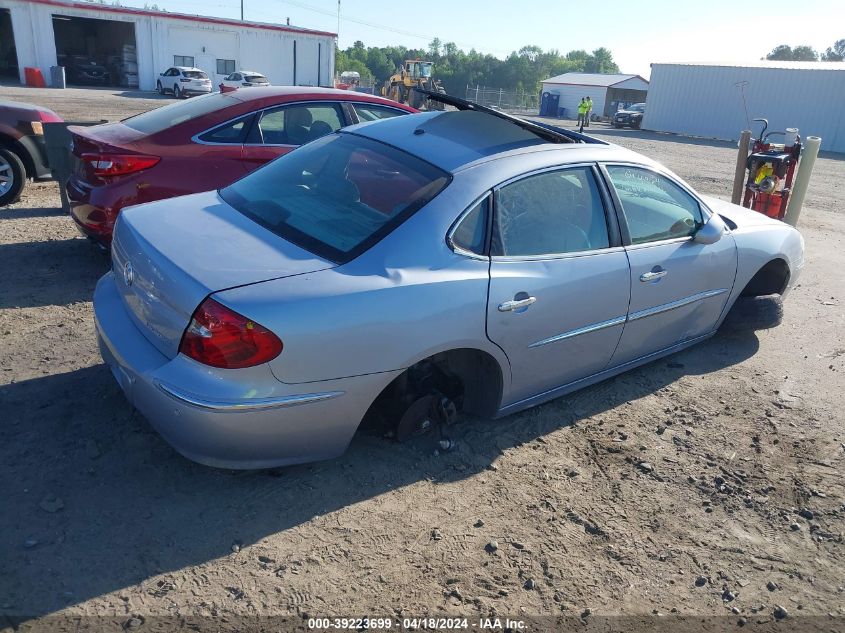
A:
{"points": [[318, 129], [297, 124]]}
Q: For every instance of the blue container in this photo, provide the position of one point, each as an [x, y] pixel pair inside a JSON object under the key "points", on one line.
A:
{"points": [[549, 103]]}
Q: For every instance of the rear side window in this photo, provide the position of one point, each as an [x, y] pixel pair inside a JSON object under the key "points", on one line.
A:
{"points": [[232, 132], [166, 117], [297, 125], [551, 213], [338, 196], [470, 234], [368, 112]]}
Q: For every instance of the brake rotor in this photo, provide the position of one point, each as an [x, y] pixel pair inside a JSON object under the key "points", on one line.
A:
{"points": [[417, 419]]}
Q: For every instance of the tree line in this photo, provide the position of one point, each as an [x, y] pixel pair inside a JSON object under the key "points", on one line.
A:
{"points": [[521, 71], [804, 53]]}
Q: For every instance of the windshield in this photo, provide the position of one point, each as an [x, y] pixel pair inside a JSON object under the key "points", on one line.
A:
{"points": [[195, 74], [336, 196], [637, 107], [425, 70], [166, 117]]}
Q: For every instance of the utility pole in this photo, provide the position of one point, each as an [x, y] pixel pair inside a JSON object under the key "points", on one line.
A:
{"points": [[242, 10], [338, 23]]}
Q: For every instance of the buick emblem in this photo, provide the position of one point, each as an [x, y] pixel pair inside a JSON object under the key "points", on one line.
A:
{"points": [[128, 273]]}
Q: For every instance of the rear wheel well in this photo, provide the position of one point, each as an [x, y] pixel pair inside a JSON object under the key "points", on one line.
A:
{"points": [[471, 378], [770, 279], [8, 143]]}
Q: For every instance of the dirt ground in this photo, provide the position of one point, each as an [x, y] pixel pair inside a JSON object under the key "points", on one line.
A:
{"points": [[708, 484]]}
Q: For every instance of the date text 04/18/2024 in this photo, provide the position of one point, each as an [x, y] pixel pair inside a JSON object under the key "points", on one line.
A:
{"points": [[424, 623]]}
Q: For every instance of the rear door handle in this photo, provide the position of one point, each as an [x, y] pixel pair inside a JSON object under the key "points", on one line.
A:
{"points": [[516, 304], [653, 275]]}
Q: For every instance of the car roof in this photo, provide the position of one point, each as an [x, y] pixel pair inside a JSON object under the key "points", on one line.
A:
{"points": [[457, 140], [250, 72], [187, 68], [306, 93]]}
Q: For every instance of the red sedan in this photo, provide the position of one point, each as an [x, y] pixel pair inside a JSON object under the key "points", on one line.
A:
{"points": [[201, 144]]}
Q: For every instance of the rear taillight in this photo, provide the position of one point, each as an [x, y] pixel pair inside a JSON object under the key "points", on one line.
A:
{"points": [[221, 337], [48, 116], [107, 165]]}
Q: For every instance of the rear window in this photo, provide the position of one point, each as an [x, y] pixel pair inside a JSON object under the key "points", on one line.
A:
{"points": [[256, 78], [166, 117], [194, 74], [337, 196]]}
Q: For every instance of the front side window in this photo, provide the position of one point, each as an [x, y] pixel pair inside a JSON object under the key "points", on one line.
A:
{"points": [[338, 196], [551, 213], [299, 124], [225, 66], [183, 60], [367, 112], [655, 207]]}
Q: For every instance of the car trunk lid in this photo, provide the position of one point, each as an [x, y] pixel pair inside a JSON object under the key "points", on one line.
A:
{"points": [[168, 256], [108, 138]]}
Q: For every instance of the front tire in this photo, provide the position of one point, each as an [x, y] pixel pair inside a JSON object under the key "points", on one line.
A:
{"points": [[12, 177], [159, 88], [755, 313]]}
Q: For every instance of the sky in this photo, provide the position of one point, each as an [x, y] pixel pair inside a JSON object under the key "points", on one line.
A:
{"points": [[643, 32]]}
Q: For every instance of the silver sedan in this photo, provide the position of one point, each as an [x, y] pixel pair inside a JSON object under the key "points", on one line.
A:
{"points": [[411, 268]]}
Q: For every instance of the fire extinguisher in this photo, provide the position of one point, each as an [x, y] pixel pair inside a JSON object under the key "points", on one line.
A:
{"points": [[771, 169]]}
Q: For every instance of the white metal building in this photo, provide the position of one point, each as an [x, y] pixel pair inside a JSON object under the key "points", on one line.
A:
{"points": [[608, 92], [719, 100], [47, 32]]}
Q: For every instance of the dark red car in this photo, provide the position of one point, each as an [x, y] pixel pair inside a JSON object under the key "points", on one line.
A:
{"points": [[201, 144]]}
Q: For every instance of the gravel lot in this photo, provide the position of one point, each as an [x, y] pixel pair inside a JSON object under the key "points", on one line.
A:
{"points": [[707, 484]]}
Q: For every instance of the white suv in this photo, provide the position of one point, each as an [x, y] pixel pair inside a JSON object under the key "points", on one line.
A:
{"points": [[183, 81], [245, 78]]}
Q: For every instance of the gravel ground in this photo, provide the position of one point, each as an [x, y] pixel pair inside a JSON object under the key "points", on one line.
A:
{"points": [[706, 484]]}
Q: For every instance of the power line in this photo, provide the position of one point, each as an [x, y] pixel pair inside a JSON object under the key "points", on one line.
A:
{"points": [[374, 25]]}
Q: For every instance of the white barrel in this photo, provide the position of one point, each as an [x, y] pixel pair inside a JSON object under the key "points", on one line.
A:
{"points": [[802, 180]]}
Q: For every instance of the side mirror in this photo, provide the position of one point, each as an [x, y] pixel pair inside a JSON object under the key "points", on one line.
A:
{"points": [[711, 232]]}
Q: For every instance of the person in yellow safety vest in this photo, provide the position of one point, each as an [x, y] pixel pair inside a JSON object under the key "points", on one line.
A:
{"points": [[589, 111], [582, 111]]}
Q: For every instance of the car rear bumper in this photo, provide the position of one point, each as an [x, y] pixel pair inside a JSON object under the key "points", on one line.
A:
{"points": [[242, 419], [93, 220], [196, 90]]}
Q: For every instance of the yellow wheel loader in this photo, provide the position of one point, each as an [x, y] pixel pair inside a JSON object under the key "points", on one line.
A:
{"points": [[414, 74]]}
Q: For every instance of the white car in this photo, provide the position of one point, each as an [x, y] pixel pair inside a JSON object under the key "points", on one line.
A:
{"points": [[245, 79], [183, 81]]}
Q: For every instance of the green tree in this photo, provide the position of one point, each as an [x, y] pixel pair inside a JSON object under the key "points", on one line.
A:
{"points": [[784, 52], [835, 53]]}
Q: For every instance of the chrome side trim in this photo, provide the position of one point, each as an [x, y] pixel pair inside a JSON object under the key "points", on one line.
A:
{"points": [[666, 307], [250, 404], [556, 392], [595, 327]]}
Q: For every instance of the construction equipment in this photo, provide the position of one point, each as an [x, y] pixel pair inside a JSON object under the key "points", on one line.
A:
{"points": [[771, 169], [414, 74]]}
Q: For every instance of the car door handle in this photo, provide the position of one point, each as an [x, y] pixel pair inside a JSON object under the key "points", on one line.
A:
{"points": [[653, 275], [516, 304]]}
